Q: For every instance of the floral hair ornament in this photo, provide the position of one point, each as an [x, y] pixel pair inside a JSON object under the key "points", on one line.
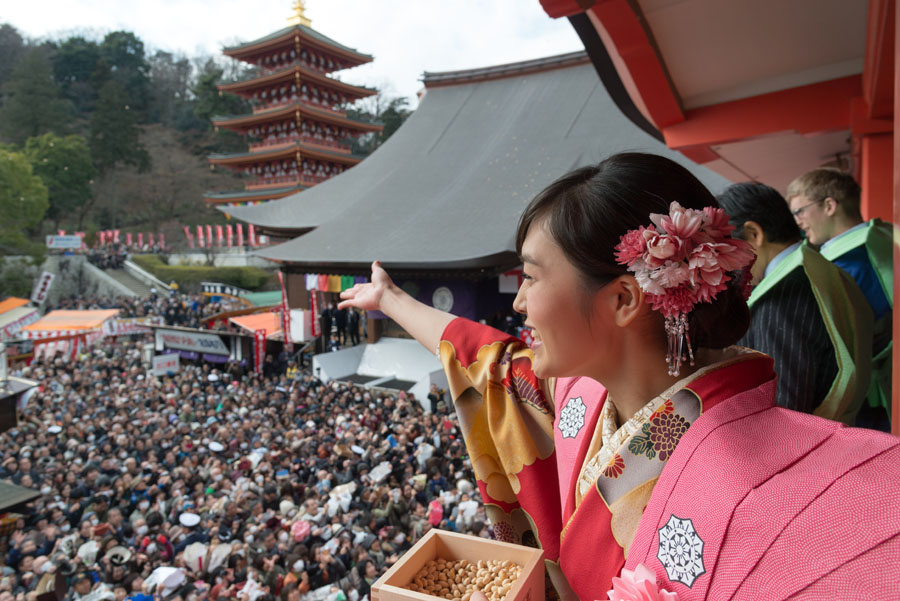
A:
{"points": [[684, 258]]}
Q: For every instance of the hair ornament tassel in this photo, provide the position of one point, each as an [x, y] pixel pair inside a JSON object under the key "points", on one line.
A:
{"points": [[682, 259]]}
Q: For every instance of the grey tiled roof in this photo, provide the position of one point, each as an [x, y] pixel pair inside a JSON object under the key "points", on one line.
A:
{"points": [[448, 187]]}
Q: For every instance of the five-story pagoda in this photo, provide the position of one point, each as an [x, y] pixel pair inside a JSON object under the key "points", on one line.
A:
{"points": [[299, 133]]}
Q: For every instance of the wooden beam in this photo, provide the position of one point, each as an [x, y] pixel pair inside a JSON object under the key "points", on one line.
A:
{"points": [[878, 72], [818, 107], [628, 39]]}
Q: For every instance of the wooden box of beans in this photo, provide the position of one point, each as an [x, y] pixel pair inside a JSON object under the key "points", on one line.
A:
{"points": [[447, 565]]}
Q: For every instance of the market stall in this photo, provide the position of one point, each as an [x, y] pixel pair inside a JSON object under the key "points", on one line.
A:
{"points": [[69, 332]]}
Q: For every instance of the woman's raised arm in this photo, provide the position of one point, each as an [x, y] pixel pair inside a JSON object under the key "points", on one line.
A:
{"points": [[424, 323]]}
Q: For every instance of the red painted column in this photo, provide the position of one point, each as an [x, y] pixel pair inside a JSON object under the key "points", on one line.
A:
{"points": [[876, 176], [895, 402]]}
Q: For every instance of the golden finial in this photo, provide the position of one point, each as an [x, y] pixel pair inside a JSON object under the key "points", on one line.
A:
{"points": [[299, 16]]}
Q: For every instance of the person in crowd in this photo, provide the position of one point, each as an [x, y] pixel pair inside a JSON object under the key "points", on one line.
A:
{"points": [[234, 470], [805, 312], [681, 471], [826, 204]]}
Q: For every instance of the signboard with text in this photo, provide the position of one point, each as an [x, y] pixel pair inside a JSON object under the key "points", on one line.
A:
{"points": [[131, 325], [166, 364], [42, 288], [190, 341], [64, 242]]}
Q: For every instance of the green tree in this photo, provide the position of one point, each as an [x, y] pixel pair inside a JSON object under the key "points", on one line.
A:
{"points": [[23, 202], [115, 135], [31, 102], [209, 102], [12, 47], [391, 112], [74, 64], [65, 167], [170, 88], [122, 60]]}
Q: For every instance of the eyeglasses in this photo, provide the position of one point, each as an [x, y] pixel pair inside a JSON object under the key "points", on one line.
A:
{"points": [[799, 211]]}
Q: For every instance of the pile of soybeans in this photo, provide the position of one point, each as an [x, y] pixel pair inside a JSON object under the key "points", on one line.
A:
{"points": [[459, 579]]}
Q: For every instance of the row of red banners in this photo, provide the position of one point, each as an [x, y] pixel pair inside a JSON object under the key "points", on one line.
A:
{"points": [[116, 237], [225, 235]]}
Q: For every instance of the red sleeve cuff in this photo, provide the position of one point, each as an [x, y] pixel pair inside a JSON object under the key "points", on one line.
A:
{"points": [[468, 336]]}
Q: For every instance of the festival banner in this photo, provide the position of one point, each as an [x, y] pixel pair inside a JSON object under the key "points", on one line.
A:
{"points": [[285, 316], [150, 235], [189, 236], [251, 235], [61, 232], [240, 235], [259, 349], [229, 234], [162, 240], [140, 239], [200, 241], [115, 234], [42, 288], [315, 325], [220, 236], [130, 325], [101, 237], [81, 235], [197, 342], [128, 239], [209, 236]]}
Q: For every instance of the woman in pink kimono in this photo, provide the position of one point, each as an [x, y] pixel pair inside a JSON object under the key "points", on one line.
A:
{"points": [[632, 441]]}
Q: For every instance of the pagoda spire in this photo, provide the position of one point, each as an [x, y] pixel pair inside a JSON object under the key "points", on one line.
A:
{"points": [[299, 17]]}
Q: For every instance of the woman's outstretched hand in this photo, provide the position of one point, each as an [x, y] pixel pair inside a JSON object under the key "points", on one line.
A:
{"points": [[368, 296], [423, 322]]}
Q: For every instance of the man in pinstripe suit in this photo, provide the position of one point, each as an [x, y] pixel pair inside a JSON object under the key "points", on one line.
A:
{"points": [[806, 313]]}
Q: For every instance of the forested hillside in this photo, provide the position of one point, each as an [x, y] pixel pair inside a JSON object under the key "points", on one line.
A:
{"points": [[101, 133]]}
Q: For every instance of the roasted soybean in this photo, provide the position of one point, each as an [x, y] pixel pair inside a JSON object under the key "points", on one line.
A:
{"points": [[459, 579]]}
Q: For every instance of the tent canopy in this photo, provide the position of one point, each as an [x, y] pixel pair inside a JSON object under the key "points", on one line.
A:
{"points": [[12, 321], [11, 303], [270, 322], [67, 323]]}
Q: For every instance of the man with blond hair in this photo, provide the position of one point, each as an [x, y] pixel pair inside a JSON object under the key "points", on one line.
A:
{"points": [[825, 203]]}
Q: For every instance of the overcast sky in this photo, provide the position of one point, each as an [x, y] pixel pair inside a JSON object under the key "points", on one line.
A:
{"points": [[406, 37]]}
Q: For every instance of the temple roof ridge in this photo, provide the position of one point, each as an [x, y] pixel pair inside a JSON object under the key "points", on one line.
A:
{"points": [[559, 61], [303, 29]]}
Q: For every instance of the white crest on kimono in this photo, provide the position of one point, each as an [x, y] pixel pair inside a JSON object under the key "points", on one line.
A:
{"points": [[681, 551], [571, 418]]}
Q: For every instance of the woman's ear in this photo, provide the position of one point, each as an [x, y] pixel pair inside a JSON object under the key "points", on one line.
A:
{"points": [[624, 299]]}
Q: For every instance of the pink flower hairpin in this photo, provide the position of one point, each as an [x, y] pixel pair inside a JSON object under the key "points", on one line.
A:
{"points": [[684, 258]]}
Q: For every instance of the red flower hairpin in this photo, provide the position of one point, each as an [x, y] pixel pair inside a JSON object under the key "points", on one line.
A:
{"points": [[684, 258]]}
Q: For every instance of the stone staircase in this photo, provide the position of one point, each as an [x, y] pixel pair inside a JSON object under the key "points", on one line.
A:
{"points": [[129, 281]]}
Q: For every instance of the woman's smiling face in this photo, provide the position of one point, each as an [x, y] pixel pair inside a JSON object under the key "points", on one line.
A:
{"points": [[554, 300]]}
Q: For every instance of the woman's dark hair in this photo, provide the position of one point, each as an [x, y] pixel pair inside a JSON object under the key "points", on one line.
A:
{"points": [[590, 208], [752, 201]]}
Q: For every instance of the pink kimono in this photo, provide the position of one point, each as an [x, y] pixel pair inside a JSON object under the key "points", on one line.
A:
{"points": [[747, 501]]}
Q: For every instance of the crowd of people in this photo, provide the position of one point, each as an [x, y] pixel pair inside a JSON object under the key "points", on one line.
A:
{"points": [[250, 488]]}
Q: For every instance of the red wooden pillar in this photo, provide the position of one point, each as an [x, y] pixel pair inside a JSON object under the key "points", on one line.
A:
{"points": [[895, 412], [876, 176]]}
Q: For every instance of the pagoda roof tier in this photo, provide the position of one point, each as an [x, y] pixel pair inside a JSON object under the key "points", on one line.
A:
{"points": [[444, 192], [305, 110], [289, 149], [305, 34], [250, 195], [289, 73]]}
